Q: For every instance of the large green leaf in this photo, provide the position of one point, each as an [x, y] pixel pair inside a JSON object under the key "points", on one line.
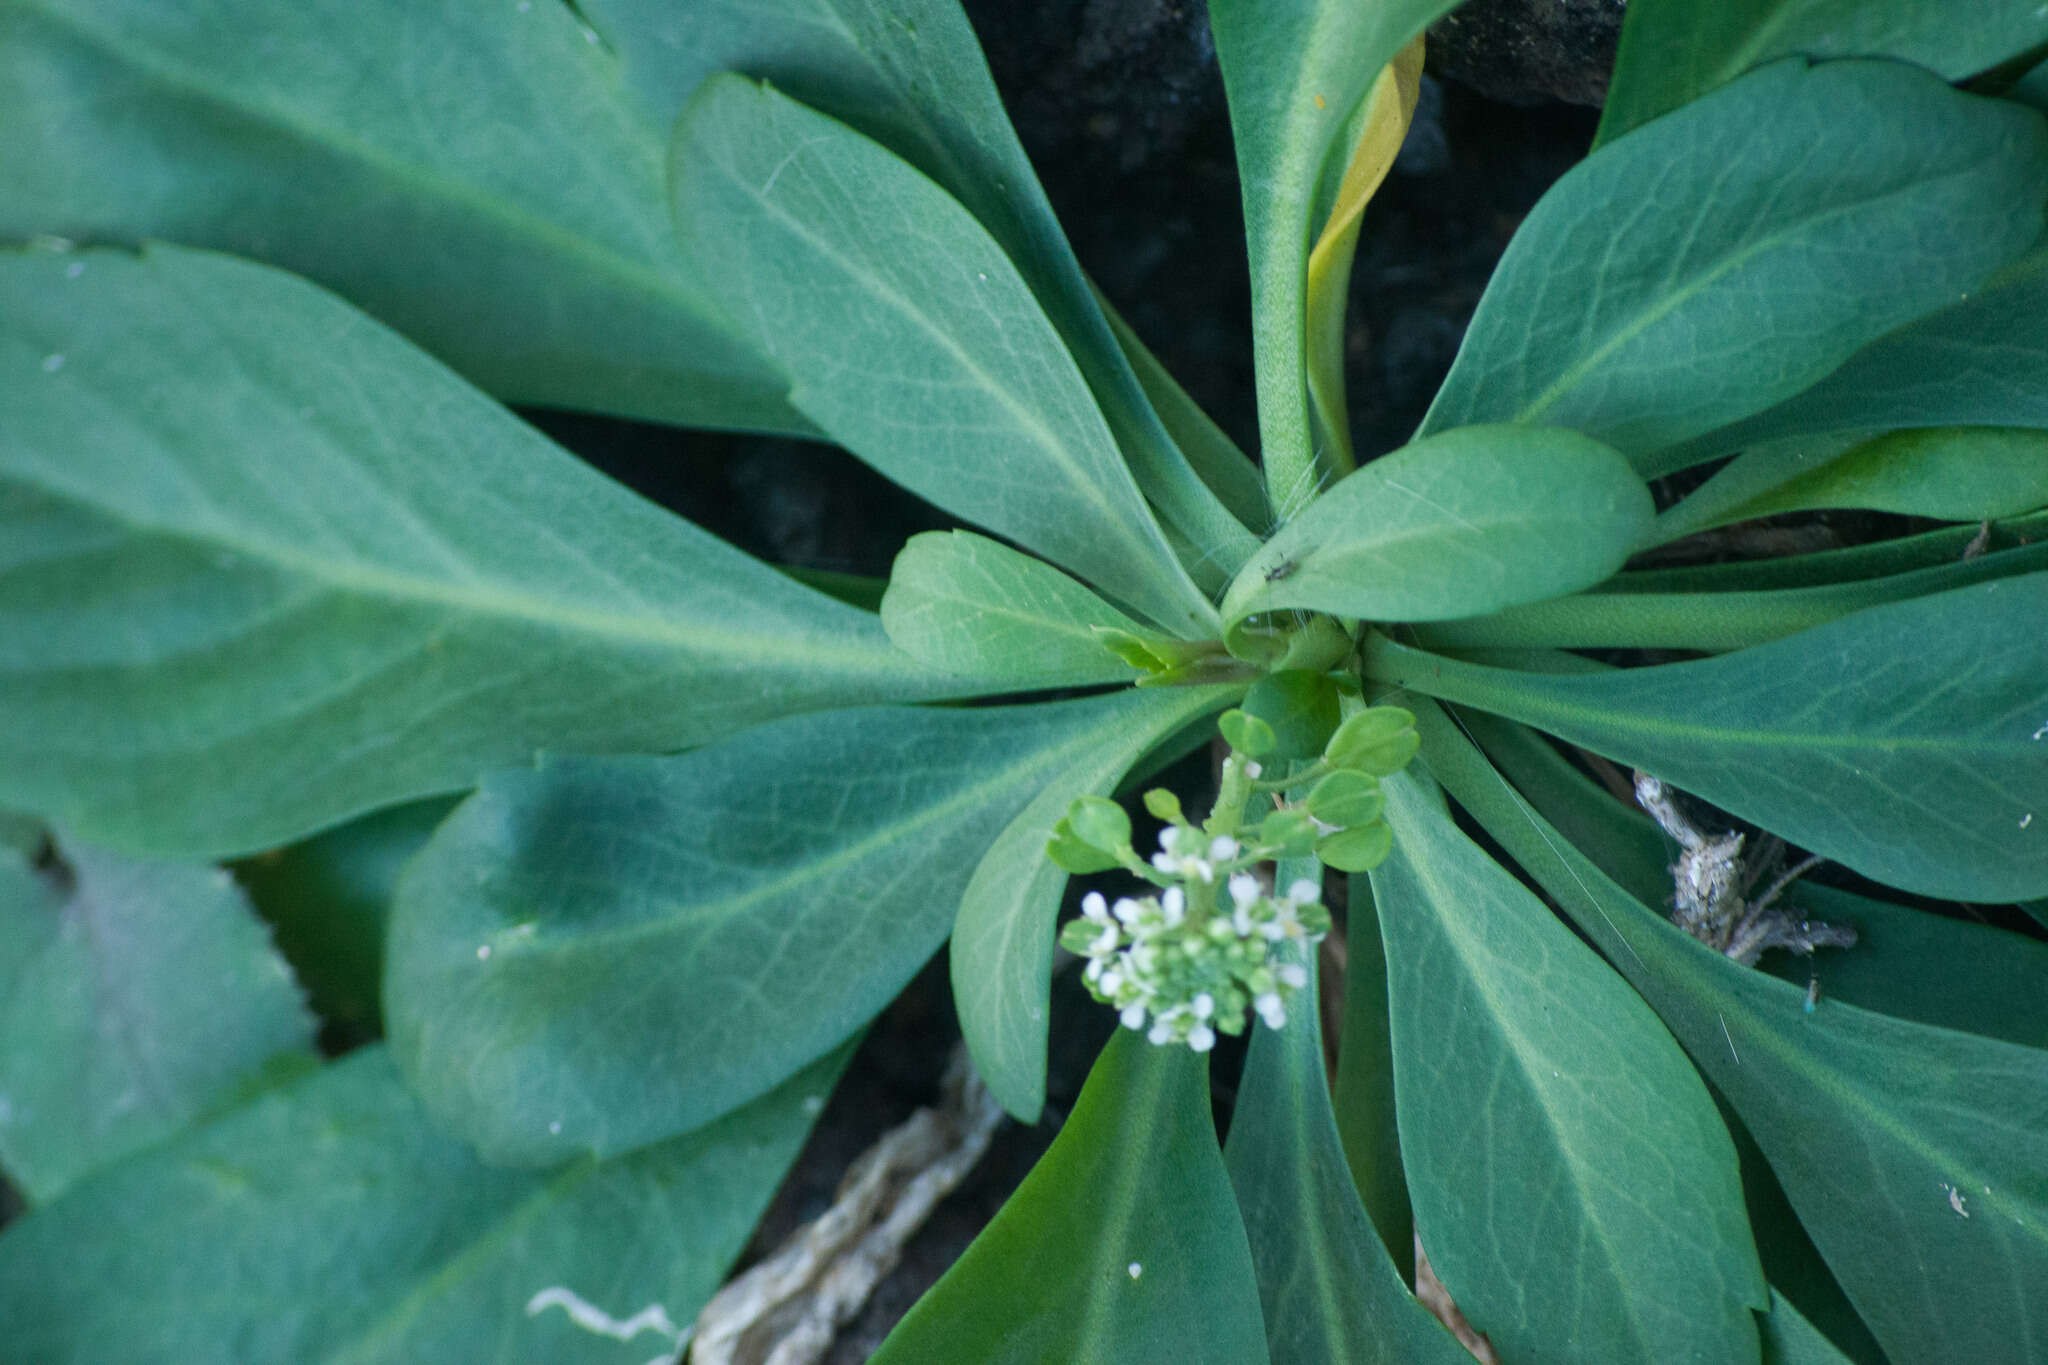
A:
{"points": [[1362, 1091], [329, 1223], [1734, 253], [1001, 954], [1574, 1185], [600, 953], [909, 75], [911, 339], [1456, 525], [1915, 1155], [471, 174], [1329, 1291], [1294, 71], [1908, 742], [266, 565], [963, 603], [1673, 51], [135, 997], [1123, 1244]]}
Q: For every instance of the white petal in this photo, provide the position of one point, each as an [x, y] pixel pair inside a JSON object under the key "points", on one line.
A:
{"points": [[1161, 1034], [1201, 1037], [1252, 770], [1305, 892], [1222, 848], [1205, 1005], [1201, 869], [1292, 974], [1166, 863], [1133, 1016], [1105, 943], [1244, 890], [1271, 1010], [1093, 971], [1173, 905], [1111, 980], [1241, 920], [1094, 907], [1168, 837], [1125, 909]]}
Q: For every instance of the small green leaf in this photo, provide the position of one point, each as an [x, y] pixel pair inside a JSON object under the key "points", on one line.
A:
{"points": [[135, 998], [1356, 850], [966, 604], [1300, 708], [1908, 742], [1781, 223], [1571, 1178], [1246, 733], [1001, 955], [1123, 1244], [330, 1221], [1463, 523], [1099, 823], [202, 655], [1347, 797], [1291, 831], [1673, 51], [823, 246], [1378, 740], [1072, 854], [605, 952]]}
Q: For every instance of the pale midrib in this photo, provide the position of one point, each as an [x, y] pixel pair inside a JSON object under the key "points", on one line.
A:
{"points": [[1805, 227], [635, 276]]}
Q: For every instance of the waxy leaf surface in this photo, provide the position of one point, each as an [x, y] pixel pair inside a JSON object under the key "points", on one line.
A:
{"points": [[135, 997], [472, 174], [600, 953], [264, 565], [330, 1223], [1733, 254], [911, 339], [1572, 1181], [1122, 1244]]}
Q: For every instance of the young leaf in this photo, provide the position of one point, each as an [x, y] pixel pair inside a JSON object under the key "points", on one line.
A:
{"points": [[267, 566], [1673, 51], [1294, 70], [1908, 742], [470, 174], [1885, 1134], [1330, 1294], [330, 1221], [1122, 1244], [1457, 525], [134, 999], [962, 603], [1800, 213], [1572, 1181], [911, 339], [1001, 955], [605, 952]]}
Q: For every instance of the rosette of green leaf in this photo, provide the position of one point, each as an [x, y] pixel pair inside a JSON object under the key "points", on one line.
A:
{"points": [[965, 604], [1673, 51], [329, 1220], [268, 566], [911, 76], [911, 339], [1458, 525], [135, 999], [1329, 1291], [1573, 1183], [472, 175], [1784, 222], [1949, 473], [1000, 959], [1908, 742], [1294, 72], [601, 953], [1124, 1242], [1884, 1133]]}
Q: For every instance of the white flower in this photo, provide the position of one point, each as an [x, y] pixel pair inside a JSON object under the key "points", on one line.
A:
{"points": [[1174, 906], [1292, 975], [1244, 894], [1222, 848], [1125, 909], [1304, 892], [1105, 943], [1176, 864], [1201, 1037], [1205, 1005], [1133, 1016], [1161, 1034], [1271, 1010], [1095, 908], [1111, 981]]}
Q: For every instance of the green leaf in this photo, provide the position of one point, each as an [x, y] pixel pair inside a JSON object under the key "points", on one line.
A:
{"points": [[1915, 1156], [1294, 70], [911, 339], [1673, 51], [1781, 223], [471, 174], [1330, 1294], [331, 1222], [909, 74], [1953, 473], [1574, 1185], [604, 952], [1908, 742], [1789, 1339], [328, 901], [1001, 955], [962, 603], [1123, 1244], [204, 651], [135, 998], [1362, 1096], [1977, 362], [1457, 525]]}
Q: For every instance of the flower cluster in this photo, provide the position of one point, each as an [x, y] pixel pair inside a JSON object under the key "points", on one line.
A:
{"points": [[1190, 976]]}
